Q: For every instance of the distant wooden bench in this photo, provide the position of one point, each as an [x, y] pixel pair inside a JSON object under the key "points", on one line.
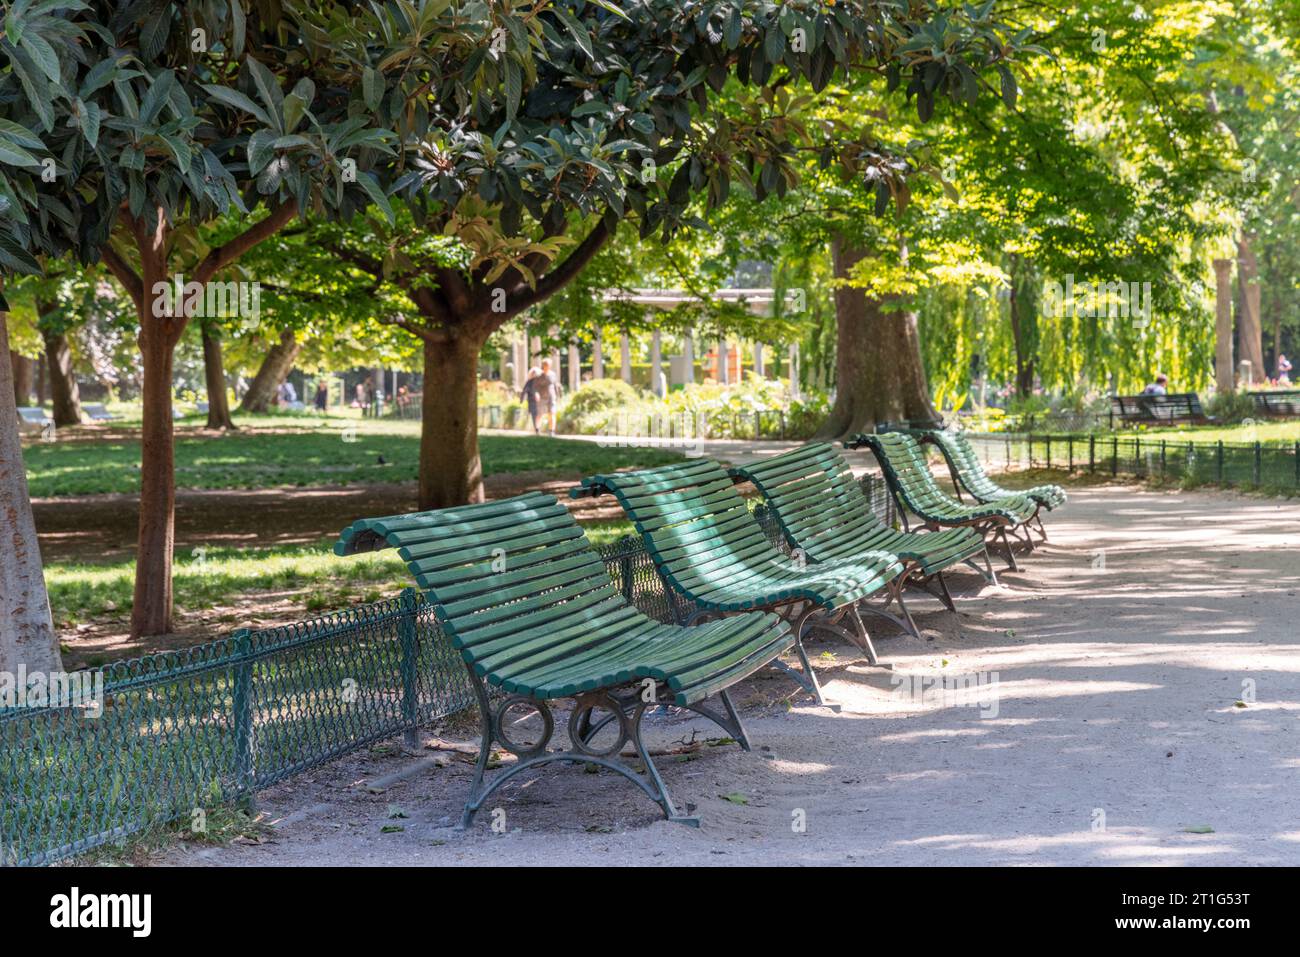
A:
{"points": [[98, 412], [1161, 409], [34, 420], [1277, 403]]}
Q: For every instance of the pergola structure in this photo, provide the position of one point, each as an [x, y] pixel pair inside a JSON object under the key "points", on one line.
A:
{"points": [[759, 300]]}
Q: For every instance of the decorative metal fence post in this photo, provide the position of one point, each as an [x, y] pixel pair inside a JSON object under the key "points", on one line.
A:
{"points": [[242, 715], [1219, 463], [1114, 456], [1259, 465], [1069, 449], [1297, 465], [1092, 454], [1162, 460], [410, 657]]}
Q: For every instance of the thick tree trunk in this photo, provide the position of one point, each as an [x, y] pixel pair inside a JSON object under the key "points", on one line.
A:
{"points": [[450, 470], [1021, 334], [214, 374], [878, 372], [270, 376], [64, 393], [1250, 333], [151, 613], [22, 377], [26, 631]]}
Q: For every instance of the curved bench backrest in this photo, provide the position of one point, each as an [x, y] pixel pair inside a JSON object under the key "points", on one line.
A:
{"points": [[965, 464], [696, 526], [904, 464], [507, 579], [813, 494]]}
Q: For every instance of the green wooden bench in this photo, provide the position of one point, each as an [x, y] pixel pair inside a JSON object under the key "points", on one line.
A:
{"points": [[524, 598], [823, 513], [710, 550], [903, 461], [969, 474]]}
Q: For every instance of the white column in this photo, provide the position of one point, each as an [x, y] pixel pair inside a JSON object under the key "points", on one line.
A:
{"points": [[656, 365], [724, 376], [535, 351], [575, 366], [555, 356], [688, 351], [758, 360], [597, 358], [625, 357], [794, 371], [521, 360]]}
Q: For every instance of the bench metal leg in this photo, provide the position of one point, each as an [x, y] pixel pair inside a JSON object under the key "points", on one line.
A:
{"points": [[946, 597], [987, 571], [809, 677], [1038, 517], [630, 730], [1011, 556]]}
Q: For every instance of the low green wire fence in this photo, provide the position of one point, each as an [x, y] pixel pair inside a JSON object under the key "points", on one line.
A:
{"points": [[184, 731], [1229, 464]]}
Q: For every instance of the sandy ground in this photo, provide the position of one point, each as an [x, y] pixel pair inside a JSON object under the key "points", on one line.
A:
{"points": [[1122, 653]]}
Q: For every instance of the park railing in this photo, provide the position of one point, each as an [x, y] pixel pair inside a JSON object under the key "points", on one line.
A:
{"points": [[1229, 464], [180, 733]]}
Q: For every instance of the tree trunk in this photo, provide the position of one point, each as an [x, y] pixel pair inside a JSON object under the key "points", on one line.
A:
{"points": [[63, 381], [214, 374], [22, 376], [26, 630], [151, 613], [270, 376], [450, 470], [1021, 334], [1250, 333], [1223, 371], [878, 372]]}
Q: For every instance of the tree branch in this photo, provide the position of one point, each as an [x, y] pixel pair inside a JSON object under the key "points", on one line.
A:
{"points": [[124, 274], [228, 252], [561, 275]]}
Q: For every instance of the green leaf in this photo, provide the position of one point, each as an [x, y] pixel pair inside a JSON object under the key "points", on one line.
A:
{"points": [[260, 150], [268, 89], [237, 100], [575, 28], [376, 194], [21, 135], [1009, 88], [90, 122], [15, 155], [735, 797], [1198, 829], [372, 88], [514, 88], [43, 54], [237, 26], [14, 257]]}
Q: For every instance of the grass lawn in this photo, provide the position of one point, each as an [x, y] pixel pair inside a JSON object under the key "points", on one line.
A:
{"points": [[1281, 432], [301, 450]]}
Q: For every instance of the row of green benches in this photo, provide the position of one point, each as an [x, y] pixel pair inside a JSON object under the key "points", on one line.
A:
{"points": [[525, 599]]}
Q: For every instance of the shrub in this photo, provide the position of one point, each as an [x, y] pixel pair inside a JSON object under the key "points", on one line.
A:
{"points": [[1230, 407]]}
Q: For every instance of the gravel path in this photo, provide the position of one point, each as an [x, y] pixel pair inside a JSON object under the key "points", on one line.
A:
{"points": [[1122, 654]]}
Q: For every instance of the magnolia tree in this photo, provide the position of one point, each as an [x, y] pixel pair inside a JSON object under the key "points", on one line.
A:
{"points": [[606, 111], [170, 116]]}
